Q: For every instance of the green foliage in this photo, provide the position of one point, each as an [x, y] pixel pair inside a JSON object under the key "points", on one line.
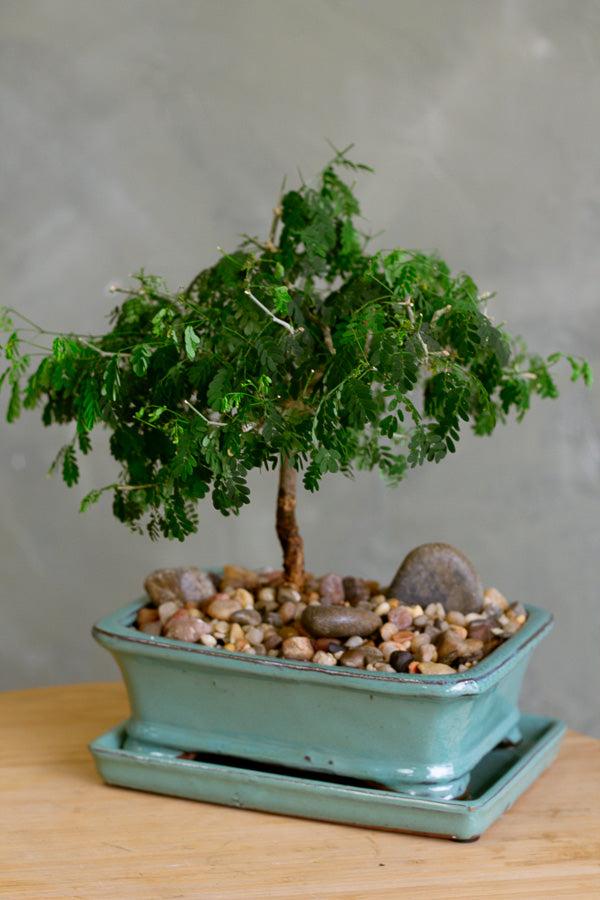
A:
{"points": [[304, 346]]}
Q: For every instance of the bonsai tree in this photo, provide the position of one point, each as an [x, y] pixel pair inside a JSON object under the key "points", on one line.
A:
{"points": [[301, 352]]}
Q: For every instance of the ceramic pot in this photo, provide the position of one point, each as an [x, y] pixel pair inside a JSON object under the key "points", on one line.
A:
{"points": [[416, 734]]}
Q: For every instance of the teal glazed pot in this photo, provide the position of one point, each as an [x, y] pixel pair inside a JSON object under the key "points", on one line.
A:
{"points": [[420, 735]]}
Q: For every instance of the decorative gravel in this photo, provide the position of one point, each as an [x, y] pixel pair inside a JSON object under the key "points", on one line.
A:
{"points": [[335, 621]]}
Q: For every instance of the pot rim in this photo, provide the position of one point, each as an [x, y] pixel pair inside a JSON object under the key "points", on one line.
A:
{"points": [[115, 633]]}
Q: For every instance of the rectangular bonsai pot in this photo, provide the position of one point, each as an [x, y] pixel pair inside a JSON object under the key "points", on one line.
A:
{"points": [[416, 734]]}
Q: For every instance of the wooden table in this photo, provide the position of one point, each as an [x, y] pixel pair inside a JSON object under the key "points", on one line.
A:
{"points": [[65, 834]]}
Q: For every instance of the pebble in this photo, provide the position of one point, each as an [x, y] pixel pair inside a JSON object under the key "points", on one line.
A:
{"points": [[272, 640], [209, 640], [243, 597], [183, 584], [267, 595], [354, 658], [354, 641], [239, 577], [255, 635], [493, 597], [323, 658], [434, 668], [382, 609], [288, 594], [450, 647], [152, 628], [401, 616], [390, 647], [146, 615], [339, 621], [223, 607], [352, 625], [387, 631], [236, 633], [167, 610], [481, 630], [426, 653], [400, 660], [298, 647], [438, 573], [331, 587], [287, 610], [249, 616], [186, 629], [356, 590]]}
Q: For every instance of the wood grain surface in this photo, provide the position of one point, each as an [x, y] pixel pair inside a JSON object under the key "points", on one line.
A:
{"points": [[64, 834]]}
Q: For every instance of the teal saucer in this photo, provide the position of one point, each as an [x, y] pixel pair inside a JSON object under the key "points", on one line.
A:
{"points": [[495, 783]]}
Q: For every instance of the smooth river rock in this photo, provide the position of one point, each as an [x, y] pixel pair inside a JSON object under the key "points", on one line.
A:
{"points": [[339, 621], [438, 573]]}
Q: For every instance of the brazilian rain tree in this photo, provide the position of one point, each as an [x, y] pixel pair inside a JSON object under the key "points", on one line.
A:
{"points": [[300, 352]]}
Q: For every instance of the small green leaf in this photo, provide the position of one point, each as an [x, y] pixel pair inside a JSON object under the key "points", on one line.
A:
{"points": [[70, 469], [282, 298], [140, 357], [112, 379], [14, 404], [191, 342]]}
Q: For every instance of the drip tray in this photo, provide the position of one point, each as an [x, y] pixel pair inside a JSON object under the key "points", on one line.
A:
{"points": [[496, 782]]}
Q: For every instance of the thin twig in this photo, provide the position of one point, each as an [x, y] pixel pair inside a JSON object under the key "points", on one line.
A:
{"points": [[269, 313], [202, 416]]}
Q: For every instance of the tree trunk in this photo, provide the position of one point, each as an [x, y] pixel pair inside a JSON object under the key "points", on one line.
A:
{"points": [[287, 527]]}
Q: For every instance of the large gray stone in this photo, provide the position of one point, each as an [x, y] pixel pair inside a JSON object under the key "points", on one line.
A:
{"points": [[438, 573]]}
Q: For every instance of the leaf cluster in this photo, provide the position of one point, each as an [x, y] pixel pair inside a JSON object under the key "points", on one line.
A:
{"points": [[303, 346]]}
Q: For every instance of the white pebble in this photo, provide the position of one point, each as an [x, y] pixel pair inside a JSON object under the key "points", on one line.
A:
{"points": [[286, 592], [266, 595], [354, 641], [416, 611], [243, 597], [387, 630], [255, 635], [324, 658], [493, 597], [209, 640], [167, 610], [383, 608]]}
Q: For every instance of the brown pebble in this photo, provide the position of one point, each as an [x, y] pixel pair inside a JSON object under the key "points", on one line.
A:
{"points": [[353, 658], [272, 640], [339, 621], [450, 646], [355, 590], [146, 615], [480, 630], [287, 611], [331, 587], [239, 577]]}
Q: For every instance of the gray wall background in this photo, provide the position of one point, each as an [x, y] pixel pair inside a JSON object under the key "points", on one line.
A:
{"points": [[140, 132]]}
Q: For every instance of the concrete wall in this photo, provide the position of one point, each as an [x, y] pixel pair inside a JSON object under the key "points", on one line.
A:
{"points": [[140, 132]]}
